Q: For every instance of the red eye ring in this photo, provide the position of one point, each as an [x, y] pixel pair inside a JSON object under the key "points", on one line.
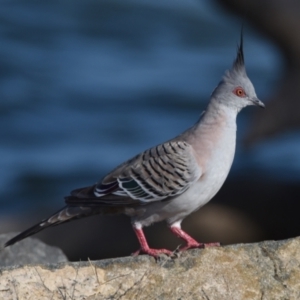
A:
{"points": [[239, 91]]}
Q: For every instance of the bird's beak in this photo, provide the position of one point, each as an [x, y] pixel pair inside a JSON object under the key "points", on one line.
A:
{"points": [[257, 102]]}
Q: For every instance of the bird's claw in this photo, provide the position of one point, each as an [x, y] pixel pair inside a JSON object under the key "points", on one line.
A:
{"points": [[199, 246], [153, 252]]}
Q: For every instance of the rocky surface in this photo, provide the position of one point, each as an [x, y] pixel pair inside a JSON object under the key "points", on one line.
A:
{"points": [[267, 270], [28, 251]]}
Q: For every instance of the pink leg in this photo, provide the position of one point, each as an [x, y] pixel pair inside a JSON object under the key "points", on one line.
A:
{"points": [[145, 247], [190, 242]]}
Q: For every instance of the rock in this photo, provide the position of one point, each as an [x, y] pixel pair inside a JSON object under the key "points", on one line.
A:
{"points": [[267, 270], [28, 251]]}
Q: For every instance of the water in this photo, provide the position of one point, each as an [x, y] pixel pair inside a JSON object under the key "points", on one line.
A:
{"points": [[87, 84]]}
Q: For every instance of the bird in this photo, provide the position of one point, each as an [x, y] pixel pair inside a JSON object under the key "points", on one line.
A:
{"points": [[170, 181]]}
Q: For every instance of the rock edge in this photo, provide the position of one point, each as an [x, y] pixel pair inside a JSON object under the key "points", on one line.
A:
{"points": [[266, 270]]}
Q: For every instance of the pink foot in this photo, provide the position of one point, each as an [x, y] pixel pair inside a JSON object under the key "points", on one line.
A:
{"points": [[144, 245], [199, 245], [153, 252], [190, 242], [216, 244]]}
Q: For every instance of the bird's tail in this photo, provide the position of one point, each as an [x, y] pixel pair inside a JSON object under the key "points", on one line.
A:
{"points": [[66, 214]]}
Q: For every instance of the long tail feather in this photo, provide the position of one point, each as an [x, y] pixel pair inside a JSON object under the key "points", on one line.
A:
{"points": [[66, 214]]}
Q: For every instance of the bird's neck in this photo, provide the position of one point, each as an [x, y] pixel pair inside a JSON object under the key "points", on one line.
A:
{"points": [[216, 120], [217, 115], [214, 135]]}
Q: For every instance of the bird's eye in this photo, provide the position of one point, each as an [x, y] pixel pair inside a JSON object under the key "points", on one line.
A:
{"points": [[239, 92]]}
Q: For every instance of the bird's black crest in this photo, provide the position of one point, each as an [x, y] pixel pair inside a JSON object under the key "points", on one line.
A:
{"points": [[239, 62]]}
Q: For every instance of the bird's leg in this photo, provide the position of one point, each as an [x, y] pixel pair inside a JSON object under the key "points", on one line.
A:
{"points": [[190, 242], [144, 245]]}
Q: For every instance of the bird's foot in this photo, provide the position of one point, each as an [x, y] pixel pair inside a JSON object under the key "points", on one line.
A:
{"points": [[190, 242], [153, 252], [191, 245], [194, 244], [216, 244], [145, 249]]}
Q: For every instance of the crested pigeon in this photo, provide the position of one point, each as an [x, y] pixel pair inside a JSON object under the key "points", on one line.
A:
{"points": [[169, 181]]}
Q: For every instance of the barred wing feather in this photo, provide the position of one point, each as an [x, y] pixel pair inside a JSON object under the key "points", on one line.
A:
{"points": [[160, 172]]}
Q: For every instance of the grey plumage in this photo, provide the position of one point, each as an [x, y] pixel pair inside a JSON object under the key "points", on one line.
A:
{"points": [[160, 172], [173, 179]]}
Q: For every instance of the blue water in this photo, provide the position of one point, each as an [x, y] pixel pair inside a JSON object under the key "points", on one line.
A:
{"points": [[87, 84]]}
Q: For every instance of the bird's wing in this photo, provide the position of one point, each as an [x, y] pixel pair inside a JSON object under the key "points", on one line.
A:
{"points": [[163, 171]]}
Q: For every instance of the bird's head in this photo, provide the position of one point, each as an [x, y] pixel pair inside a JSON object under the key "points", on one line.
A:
{"points": [[236, 89]]}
